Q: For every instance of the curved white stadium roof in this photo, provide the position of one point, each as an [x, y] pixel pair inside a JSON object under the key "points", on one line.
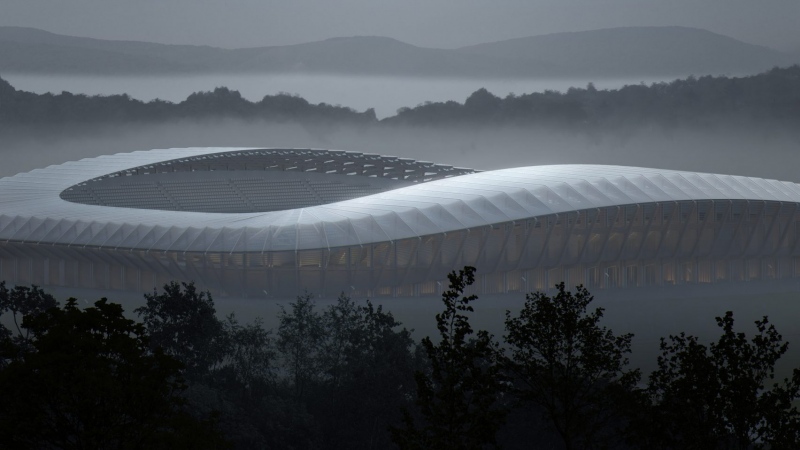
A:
{"points": [[32, 211]]}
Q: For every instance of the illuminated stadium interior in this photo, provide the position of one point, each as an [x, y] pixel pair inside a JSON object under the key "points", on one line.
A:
{"points": [[255, 180]]}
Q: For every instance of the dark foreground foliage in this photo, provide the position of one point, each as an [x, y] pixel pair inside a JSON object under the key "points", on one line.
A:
{"points": [[335, 378], [183, 323], [574, 370], [722, 396], [349, 377], [460, 394], [86, 379]]}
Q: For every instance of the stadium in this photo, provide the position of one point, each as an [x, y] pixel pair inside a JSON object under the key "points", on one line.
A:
{"points": [[277, 222]]}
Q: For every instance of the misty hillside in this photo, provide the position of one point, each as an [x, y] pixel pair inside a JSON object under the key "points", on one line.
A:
{"points": [[28, 50], [374, 55], [771, 97], [673, 51], [640, 51], [36, 51]]}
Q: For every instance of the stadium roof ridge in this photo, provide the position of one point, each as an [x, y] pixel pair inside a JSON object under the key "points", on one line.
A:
{"points": [[443, 199]]}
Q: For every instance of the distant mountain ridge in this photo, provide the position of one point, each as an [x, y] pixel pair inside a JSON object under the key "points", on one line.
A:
{"points": [[641, 50], [646, 51]]}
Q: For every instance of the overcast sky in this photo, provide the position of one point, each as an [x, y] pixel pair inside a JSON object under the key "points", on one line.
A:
{"points": [[430, 23]]}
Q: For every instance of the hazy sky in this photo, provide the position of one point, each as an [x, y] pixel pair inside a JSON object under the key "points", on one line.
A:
{"points": [[432, 23]]}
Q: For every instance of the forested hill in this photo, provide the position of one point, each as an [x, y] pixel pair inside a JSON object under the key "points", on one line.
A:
{"points": [[616, 52], [771, 98], [26, 108]]}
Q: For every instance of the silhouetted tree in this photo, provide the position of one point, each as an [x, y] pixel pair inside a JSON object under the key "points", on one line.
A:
{"points": [[459, 398], [250, 358], [563, 361], [243, 388], [300, 338], [90, 380], [18, 302], [182, 321], [368, 368], [723, 396]]}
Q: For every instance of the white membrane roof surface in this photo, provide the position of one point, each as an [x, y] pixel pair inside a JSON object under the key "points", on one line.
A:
{"points": [[31, 210]]}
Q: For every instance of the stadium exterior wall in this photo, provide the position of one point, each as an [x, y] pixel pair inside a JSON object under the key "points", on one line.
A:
{"points": [[711, 235]]}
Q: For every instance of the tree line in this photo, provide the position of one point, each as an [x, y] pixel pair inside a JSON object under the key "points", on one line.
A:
{"points": [[770, 98], [350, 376], [20, 108]]}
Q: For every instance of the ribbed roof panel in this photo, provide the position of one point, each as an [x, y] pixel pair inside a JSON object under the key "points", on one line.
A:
{"points": [[32, 211]]}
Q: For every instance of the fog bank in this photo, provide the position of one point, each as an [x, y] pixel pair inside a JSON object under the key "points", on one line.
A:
{"points": [[762, 153]]}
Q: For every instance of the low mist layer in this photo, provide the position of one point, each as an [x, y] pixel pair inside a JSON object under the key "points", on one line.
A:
{"points": [[765, 152]]}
